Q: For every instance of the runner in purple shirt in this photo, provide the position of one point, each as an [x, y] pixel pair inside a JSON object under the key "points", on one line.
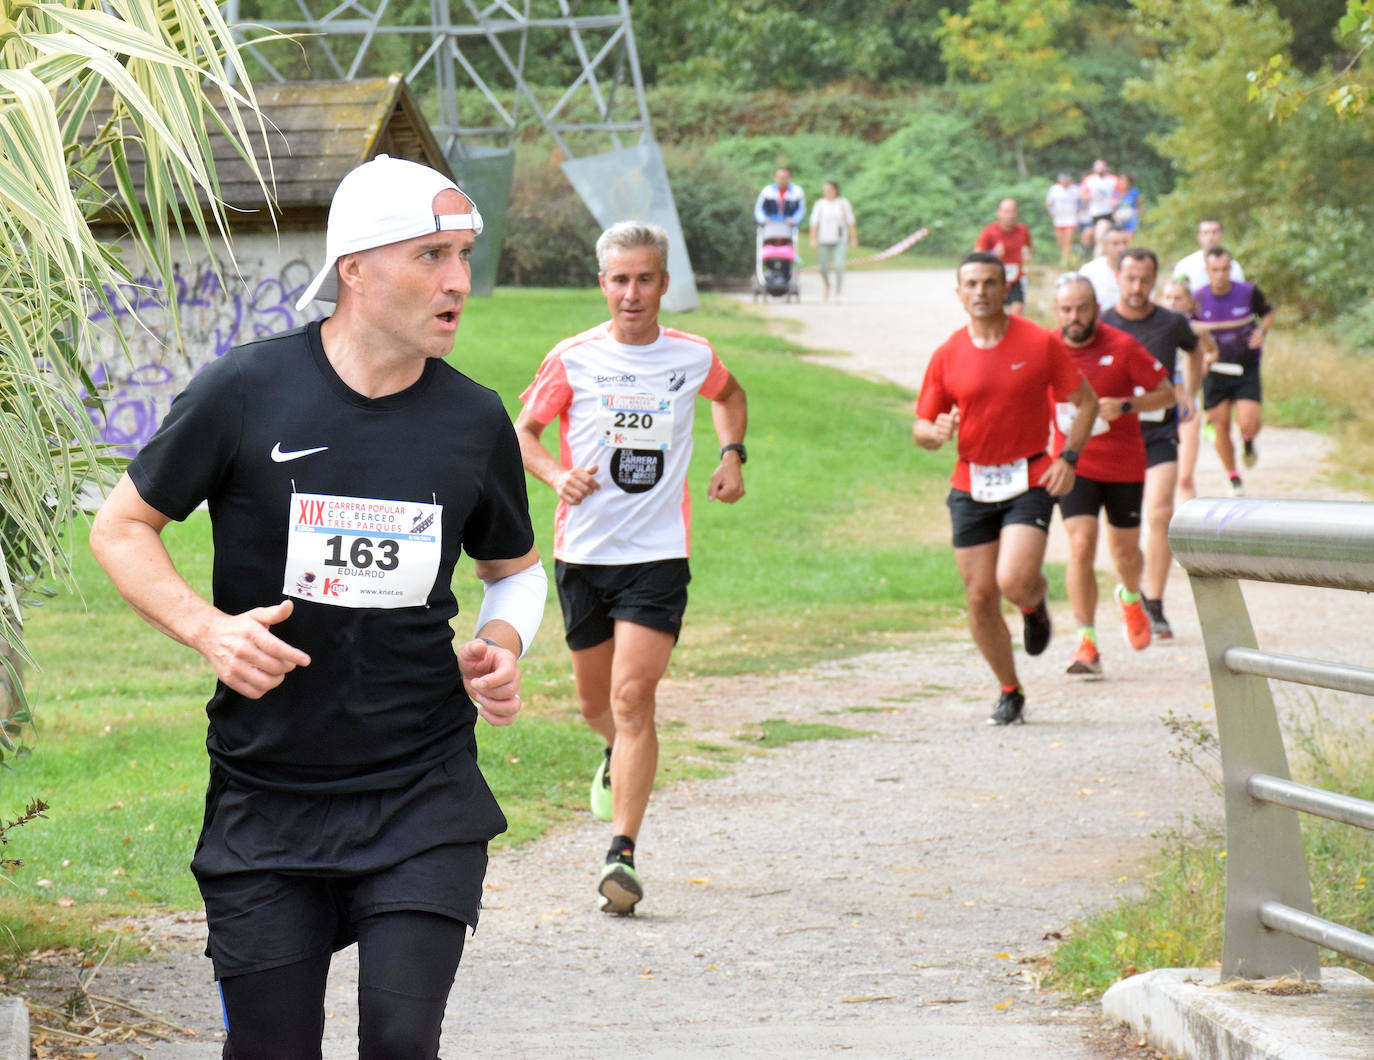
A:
{"points": [[1237, 316]]}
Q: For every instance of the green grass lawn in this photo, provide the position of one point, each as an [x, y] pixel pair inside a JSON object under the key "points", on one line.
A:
{"points": [[840, 541]]}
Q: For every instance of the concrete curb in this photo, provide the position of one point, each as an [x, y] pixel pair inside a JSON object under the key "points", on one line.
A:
{"points": [[14, 1029], [1181, 1012]]}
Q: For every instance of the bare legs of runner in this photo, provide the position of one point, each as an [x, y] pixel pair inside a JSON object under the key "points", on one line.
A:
{"points": [[617, 684], [1247, 419], [1064, 236], [1188, 431], [1079, 576], [1160, 481], [1010, 567]]}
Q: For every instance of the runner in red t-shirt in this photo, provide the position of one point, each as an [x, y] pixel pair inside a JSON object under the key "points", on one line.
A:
{"points": [[1011, 242], [1111, 469], [990, 384]]}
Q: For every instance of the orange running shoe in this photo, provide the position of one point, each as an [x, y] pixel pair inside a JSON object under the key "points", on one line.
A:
{"points": [[1137, 623], [1086, 660]]}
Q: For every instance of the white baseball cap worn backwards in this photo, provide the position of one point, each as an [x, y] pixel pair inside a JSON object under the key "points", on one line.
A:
{"points": [[387, 200]]}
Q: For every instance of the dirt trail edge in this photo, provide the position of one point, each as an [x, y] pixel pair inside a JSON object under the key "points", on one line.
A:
{"points": [[884, 896]]}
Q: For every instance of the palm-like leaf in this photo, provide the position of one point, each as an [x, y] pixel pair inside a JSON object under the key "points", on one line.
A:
{"points": [[163, 63]]}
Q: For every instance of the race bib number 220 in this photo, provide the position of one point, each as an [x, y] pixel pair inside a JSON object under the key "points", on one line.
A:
{"points": [[360, 552], [634, 421]]}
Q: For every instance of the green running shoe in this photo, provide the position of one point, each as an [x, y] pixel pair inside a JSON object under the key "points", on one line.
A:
{"points": [[601, 789], [620, 889]]}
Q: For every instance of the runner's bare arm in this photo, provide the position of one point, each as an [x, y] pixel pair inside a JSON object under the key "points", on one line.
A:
{"points": [[1264, 323], [241, 649], [1058, 478], [931, 434], [573, 485], [1161, 397], [1186, 391], [730, 415]]}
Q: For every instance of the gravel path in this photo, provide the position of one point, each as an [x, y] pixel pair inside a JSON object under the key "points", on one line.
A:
{"points": [[883, 896]]}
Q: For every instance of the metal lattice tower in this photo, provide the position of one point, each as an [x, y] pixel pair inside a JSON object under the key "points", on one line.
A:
{"points": [[489, 46]]}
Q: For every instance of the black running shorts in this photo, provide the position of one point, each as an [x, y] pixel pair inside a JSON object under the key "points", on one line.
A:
{"points": [[594, 596], [1122, 501], [1217, 388], [980, 522], [267, 919], [1161, 443], [1016, 292]]}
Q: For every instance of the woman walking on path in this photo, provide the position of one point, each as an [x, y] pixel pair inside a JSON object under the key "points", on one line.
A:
{"points": [[832, 223]]}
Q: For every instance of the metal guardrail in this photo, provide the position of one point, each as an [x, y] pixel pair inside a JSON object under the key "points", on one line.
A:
{"points": [[1269, 926]]}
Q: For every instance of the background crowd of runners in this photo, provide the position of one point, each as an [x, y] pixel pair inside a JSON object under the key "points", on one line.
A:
{"points": [[1151, 347]]}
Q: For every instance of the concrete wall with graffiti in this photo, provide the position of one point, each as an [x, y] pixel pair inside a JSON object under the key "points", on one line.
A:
{"points": [[216, 315]]}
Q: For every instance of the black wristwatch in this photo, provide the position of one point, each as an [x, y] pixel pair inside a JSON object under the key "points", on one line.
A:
{"points": [[1070, 457], [736, 447], [1126, 405]]}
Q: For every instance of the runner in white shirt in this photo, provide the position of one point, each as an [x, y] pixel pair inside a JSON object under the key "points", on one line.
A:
{"points": [[1101, 191], [624, 395], [1193, 268], [1062, 202], [1101, 271]]}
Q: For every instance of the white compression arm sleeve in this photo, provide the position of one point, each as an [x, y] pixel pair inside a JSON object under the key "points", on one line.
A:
{"points": [[518, 599]]}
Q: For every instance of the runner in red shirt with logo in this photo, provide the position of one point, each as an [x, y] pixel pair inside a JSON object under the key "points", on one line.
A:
{"points": [[1011, 242], [991, 384], [1111, 469]]}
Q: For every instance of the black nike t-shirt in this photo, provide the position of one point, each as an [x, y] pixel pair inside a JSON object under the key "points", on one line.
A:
{"points": [[371, 501]]}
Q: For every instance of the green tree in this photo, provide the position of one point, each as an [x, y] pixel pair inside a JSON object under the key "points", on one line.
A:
{"points": [[104, 110], [1294, 196], [1023, 83], [1347, 90], [759, 44]]}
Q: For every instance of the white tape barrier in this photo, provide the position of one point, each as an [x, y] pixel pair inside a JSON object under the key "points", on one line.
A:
{"points": [[892, 251]]}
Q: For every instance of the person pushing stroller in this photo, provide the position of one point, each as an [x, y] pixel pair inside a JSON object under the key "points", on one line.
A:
{"points": [[779, 212]]}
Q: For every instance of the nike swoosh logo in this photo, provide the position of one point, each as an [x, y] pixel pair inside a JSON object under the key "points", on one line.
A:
{"points": [[281, 456], [1021, 364]]}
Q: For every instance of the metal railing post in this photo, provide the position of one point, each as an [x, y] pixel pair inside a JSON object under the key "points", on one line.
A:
{"points": [[1265, 860], [1270, 928]]}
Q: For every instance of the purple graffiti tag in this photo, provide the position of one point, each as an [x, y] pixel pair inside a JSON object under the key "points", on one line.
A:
{"points": [[225, 339]]}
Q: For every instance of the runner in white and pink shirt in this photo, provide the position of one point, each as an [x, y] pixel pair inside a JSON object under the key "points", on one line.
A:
{"points": [[624, 394]]}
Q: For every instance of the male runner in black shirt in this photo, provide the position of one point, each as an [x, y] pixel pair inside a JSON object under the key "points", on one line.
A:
{"points": [[345, 467], [1164, 333]]}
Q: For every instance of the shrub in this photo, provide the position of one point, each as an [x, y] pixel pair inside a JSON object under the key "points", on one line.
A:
{"points": [[1358, 328], [933, 169], [696, 111], [1310, 259], [715, 207], [812, 158], [550, 234]]}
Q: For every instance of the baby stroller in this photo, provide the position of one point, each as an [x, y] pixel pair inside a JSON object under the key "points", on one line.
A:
{"points": [[776, 262]]}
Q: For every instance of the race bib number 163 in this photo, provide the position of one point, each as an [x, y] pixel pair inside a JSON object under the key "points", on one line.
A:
{"points": [[360, 552]]}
